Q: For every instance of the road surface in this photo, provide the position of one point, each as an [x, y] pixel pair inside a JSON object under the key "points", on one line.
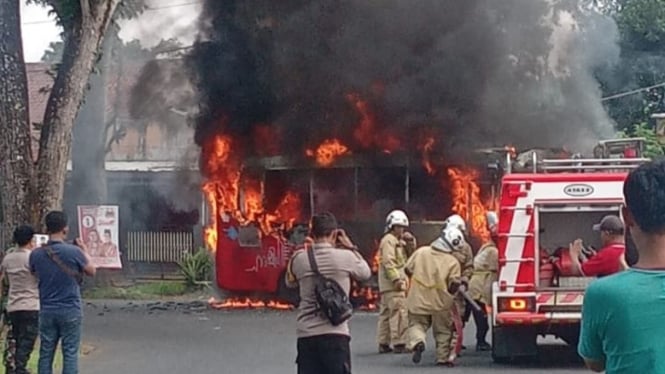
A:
{"points": [[155, 339]]}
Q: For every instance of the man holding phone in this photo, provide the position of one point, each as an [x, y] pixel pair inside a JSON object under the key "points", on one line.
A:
{"points": [[59, 267], [322, 347]]}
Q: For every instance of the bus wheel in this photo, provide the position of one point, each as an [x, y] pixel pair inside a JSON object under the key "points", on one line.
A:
{"points": [[286, 294]]}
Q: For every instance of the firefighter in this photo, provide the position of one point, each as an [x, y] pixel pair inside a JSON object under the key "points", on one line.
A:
{"points": [[435, 277], [485, 268], [394, 249], [607, 260], [465, 258]]}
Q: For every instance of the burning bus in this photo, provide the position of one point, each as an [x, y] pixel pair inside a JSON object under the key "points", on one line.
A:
{"points": [[259, 208]]}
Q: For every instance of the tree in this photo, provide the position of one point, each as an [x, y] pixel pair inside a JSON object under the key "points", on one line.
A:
{"points": [[36, 185], [16, 168], [642, 38], [53, 55], [653, 147]]}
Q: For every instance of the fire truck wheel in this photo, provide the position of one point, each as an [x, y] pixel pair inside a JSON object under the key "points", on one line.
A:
{"points": [[286, 294], [511, 343]]}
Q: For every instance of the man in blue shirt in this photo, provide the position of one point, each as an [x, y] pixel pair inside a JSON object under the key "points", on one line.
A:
{"points": [[59, 267], [622, 317]]}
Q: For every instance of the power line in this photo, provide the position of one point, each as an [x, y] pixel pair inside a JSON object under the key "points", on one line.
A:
{"points": [[632, 92], [148, 9], [172, 6]]}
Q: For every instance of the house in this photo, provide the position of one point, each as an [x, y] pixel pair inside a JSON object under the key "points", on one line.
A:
{"points": [[150, 172]]}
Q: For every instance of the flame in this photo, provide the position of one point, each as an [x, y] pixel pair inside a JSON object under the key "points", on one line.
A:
{"points": [[247, 303], [426, 149], [369, 295], [225, 195], [366, 133], [328, 152], [467, 200]]}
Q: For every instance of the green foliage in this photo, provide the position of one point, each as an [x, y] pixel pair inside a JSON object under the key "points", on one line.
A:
{"points": [[641, 26], [643, 130], [642, 23], [53, 54], [196, 267], [144, 291]]}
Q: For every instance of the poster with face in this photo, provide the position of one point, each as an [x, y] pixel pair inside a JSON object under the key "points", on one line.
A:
{"points": [[40, 240], [98, 228]]}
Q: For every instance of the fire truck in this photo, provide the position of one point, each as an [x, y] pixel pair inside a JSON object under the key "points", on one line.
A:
{"points": [[545, 204]]}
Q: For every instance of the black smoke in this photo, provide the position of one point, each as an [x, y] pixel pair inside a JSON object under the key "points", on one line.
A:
{"points": [[478, 72]]}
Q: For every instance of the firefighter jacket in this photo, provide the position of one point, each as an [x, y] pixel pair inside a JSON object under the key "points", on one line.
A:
{"points": [[392, 258], [465, 258], [486, 266], [432, 273]]}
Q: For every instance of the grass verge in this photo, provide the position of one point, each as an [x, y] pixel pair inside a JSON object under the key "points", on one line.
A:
{"points": [[145, 291]]}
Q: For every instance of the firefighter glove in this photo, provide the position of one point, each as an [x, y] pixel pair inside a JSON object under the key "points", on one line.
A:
{"points": [[400, 285]]}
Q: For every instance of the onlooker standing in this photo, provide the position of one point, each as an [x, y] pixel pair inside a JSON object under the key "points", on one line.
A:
{"points": [[59, 267], [322, 347], [22, 302], [622, 317]]}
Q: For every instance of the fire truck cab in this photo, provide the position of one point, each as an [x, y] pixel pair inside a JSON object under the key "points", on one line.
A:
{"points": [[541, 211]]}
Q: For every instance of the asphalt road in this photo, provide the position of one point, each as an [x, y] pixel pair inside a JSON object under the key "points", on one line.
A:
{"points": [[138, 340]]}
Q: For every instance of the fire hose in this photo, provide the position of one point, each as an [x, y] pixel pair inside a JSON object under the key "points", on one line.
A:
{"points": [[469, 300], [457, 319]]}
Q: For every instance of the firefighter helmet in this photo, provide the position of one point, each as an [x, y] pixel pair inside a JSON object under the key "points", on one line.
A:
{"points": [[456, 221], [396, 218], [492, 221], [450, 240]]}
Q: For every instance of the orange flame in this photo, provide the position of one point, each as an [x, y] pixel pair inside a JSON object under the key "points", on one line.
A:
{"points": [[426, 150], [244, 203], [328, 152], [467, 200], [366, 133]]}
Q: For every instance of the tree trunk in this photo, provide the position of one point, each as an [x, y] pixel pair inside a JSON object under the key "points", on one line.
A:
{"points": [[89, 142], [80, 54], [16, 172]]}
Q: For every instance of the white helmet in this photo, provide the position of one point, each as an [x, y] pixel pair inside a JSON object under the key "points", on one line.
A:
{"points": [[451, 239], [492, 221], [456, 221], [396, 218]]}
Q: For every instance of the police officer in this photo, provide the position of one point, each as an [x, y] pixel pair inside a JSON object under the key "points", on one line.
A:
{"points": [[485, 264], [465, 258], [394, 249], [435, 278]]}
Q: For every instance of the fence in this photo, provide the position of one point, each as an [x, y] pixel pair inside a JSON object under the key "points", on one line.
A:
{"points": [[158, 247]]}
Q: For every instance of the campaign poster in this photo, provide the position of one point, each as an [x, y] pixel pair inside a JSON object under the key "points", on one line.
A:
{"points": [[98, 228], [40, 240]]}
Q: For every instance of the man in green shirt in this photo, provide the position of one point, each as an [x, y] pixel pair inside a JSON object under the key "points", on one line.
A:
{"points": [[622, 317]]}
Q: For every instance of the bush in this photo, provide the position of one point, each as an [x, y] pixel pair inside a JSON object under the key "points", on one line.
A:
{"points": [[196, 267]]}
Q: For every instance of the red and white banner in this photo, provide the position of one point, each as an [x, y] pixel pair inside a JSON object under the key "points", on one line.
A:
{"points": [[98, 228]]}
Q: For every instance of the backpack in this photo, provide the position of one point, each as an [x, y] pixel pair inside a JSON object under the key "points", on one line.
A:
{"points": [[331, 297]]}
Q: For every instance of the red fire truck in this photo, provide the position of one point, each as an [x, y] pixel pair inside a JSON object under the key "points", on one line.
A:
{"points": [[542, 210]]}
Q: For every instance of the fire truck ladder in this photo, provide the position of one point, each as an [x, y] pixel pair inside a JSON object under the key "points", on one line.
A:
{"points": [[583, 165]]}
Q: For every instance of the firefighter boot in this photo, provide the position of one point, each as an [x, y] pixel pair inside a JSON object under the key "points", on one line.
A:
{"points": [[418, 352], [384, 348], [483, 346], [400, 349]]}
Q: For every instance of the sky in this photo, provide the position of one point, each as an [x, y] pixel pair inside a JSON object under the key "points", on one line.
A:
{"points": [[163, 19]]}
